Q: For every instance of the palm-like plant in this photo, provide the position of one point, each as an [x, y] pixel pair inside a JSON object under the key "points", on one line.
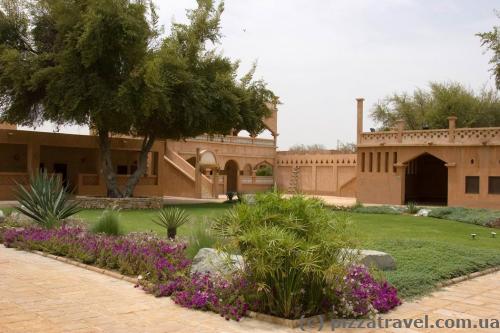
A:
{"points": [[294, 251], [171, 219], [45, 200]]}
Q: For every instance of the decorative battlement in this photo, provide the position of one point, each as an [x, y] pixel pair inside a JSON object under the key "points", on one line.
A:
{"points": [[315, 158], [459, 136], [452, 136], [235, 140]]}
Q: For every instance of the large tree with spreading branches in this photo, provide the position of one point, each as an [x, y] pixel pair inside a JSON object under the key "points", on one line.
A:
{"points": [[430, 108], [491, 40], [107, 64]]}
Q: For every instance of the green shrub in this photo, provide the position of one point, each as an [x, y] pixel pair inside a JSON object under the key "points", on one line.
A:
{"points": [[412, 208], [291, 248], [484, 217], [264, 171], [172, 218], [45, 200], [108, 223], [200, 236]]}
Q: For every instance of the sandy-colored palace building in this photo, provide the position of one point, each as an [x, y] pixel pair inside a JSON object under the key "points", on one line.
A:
{"points": [[225, 163], [453, 166]]}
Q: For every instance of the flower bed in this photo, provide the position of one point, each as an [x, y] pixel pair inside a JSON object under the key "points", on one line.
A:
{"points": [[165, 271], [162, 264]]}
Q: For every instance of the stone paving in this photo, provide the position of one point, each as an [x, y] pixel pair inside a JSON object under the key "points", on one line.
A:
{"points": [[39, 294]]}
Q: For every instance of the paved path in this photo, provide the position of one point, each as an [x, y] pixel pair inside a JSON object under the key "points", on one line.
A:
{"points": [[39, 294]]}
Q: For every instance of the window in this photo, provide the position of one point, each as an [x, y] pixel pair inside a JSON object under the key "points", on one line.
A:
{"points": [[386, 166], [379, 157], [494, 185], [394, 161], [370, 163], [362, 162], [472, 184]]}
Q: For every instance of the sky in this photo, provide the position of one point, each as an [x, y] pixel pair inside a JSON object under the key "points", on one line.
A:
{"points": [[318, 56]]}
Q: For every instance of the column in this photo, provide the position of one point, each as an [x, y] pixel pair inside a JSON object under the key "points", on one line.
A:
{"points": [[452, 124], [359, 131]]}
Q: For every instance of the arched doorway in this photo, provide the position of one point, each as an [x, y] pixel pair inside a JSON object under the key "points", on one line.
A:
{"points": [[231, 170], [426, 181]]}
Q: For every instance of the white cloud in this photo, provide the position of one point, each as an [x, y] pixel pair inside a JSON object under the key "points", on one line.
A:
{"points": [[318, 55]]}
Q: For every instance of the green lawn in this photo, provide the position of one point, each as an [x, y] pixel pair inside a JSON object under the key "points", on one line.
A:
{"points": [[427, 250], [142, 220]]}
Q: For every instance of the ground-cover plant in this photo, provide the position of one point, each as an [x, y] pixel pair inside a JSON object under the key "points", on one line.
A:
{"points": [[361, 295], [161, 263], [45, 200], [108, 223], [293, 252], [135, 254], [484, 217], [172, 218]]}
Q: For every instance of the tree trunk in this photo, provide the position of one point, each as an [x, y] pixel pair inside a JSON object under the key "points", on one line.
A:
{"points": [[107, 165], [147, 144], [171, 233]]}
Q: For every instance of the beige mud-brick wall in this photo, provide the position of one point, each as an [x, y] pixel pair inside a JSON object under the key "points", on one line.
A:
{"points": [[320, 173], [7, 126], [13, 158]]}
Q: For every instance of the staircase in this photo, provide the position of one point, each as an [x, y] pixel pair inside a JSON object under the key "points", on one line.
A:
{"points": [[293, 187], [188, 172]]}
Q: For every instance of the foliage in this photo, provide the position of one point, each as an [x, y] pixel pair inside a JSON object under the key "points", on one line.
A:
{"points": [[136, 254], [266, 170], [430, 109], [491, 40], [484, 217], [45, 200], [360, 295], [161, 264], [172, 218], [307, 148], [215, 293], [424, 262], [108, 223], [141, 220], [427, 250], [200, 237], [346, 147], [107, 64], [412, 208], [291, 248]]}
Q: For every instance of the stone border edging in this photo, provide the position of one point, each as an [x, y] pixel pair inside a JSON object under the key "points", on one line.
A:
{"points": [[467, 277], [290, 323], [95, 269]]}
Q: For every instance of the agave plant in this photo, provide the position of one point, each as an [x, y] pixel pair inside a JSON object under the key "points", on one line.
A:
{"points": [[171, 219], [45, 200]]}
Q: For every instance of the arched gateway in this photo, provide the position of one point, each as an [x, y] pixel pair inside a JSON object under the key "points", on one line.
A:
{"points": [[426, 181]]}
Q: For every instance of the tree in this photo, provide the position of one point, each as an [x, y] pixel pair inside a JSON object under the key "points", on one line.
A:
{"points": [[491, 40], [308, 148], [103, 63], [431, 108]]}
